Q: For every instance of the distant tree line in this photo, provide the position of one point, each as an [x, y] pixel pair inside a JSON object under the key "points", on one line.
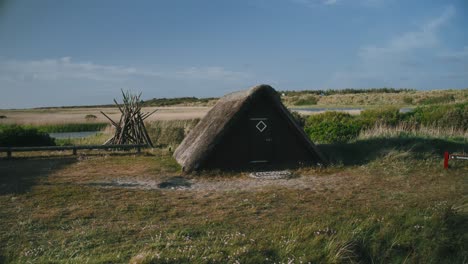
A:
{"points": [[175, 101]]}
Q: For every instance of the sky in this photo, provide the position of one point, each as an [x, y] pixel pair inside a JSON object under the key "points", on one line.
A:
{"points": [[64, 52]]}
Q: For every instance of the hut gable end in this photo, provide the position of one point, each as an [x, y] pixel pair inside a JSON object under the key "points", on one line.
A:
{"points": [[247, 130]]}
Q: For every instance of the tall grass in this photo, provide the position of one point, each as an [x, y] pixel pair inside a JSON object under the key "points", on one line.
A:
{"points": [[97, 139], [446, 121], [169, 133], [380, 130]]}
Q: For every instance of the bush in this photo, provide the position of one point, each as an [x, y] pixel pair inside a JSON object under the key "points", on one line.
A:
{"points": [[3, 116], [17, 136], [331, 127], [386, 116], [169, 133], [90, 117], [447, 116]]}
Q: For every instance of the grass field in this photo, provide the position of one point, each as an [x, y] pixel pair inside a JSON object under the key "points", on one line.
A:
{"points": [[384, 201]]}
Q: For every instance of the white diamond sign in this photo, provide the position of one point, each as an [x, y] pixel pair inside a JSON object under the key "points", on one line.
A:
{"points": [[261, 126]]}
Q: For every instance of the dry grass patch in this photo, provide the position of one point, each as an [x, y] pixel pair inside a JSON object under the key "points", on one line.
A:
{"points": [[394, 208]]}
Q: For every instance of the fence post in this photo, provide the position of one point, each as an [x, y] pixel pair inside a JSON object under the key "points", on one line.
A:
{"points": [[9, 153], [138, 149], [74, 150], [446, 160]]}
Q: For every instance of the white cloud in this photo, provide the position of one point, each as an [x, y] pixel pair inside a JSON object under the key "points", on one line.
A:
{"points": [[425, 37], [397, 63], [66, 68]]}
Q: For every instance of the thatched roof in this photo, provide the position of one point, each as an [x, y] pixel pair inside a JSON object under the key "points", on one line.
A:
{"points": [[210, 130]]}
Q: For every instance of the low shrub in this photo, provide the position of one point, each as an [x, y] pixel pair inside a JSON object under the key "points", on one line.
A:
{"points": [[3, 116], [332, 127], [169, 132], [90, 117], [17, 136], [387, 116], [448, 116]]}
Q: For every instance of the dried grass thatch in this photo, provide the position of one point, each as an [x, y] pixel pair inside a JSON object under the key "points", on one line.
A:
{"points": [[201, 141]]}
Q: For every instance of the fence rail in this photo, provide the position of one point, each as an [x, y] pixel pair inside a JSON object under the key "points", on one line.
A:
{"points": [[10, 150]]}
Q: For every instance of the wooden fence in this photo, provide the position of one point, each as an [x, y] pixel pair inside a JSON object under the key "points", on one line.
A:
{"points": [[10, 150]]}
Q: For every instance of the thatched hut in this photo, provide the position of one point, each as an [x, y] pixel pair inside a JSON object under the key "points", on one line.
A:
{"points": [[249, 129]]}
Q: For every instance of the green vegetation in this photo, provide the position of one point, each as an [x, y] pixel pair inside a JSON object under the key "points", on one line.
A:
{"points": [[97, 139], [332, 127], [384, 115], [17, 136], [454, 115], [169, 133], [449, 120], [57, 128]]}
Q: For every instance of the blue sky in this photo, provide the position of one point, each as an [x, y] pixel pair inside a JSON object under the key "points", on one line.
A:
{"points": [[57, 52]]}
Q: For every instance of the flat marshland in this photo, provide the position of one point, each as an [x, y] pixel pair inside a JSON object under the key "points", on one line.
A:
{"points": [[385, 198], [78, 115]]}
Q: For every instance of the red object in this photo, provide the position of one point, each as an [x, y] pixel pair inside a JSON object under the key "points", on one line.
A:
{"points": [[446, 159]]}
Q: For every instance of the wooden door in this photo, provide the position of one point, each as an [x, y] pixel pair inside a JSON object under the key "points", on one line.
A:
{"points": [[261, 140]]}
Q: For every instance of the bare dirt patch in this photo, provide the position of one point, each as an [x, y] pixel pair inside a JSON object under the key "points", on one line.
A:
{"points": [[241, 183]]}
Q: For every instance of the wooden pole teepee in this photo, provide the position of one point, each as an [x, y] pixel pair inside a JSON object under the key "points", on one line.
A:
{"points": [[131, 127]]}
